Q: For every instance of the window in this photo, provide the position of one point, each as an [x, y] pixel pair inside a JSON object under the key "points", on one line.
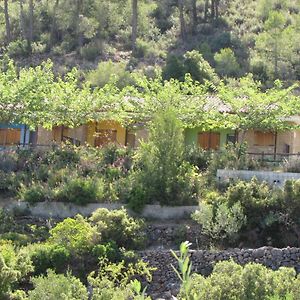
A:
{"points": [[105, 136], [264, 138], [209, 140], [230, 138], [10, 136]]}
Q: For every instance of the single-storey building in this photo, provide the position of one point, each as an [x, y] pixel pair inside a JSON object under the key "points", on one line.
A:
{"points": [[15, 135]]}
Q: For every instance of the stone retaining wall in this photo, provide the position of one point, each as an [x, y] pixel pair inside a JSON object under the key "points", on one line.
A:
{"points": [[274, 178], [165, 283], [65, 210]]}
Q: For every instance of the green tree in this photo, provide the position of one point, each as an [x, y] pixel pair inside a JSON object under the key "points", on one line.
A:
{"points": [[226, 63], [274, 42]]}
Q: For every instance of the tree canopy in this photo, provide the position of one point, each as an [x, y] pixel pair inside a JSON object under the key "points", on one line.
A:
{"points": [[37, 97]]}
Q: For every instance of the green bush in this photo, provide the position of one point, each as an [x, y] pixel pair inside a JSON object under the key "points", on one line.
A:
{"points": [[36, 192], [226, 63], [76, 235], [109, 71], [162, 174], [118, 226], [18, 48], [197, 157], [90, 51], [193, 63], [81, 191], [56, 287], [109, 250], [48, 256], [220, 222], [253, 281], [14, 265], [115, 280]]}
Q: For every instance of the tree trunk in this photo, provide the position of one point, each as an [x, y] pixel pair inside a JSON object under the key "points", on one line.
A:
{"points": [[217, 2], [194, 16], [134, 24], [213, 9], [7, 22], [53, 27], [206, 4], [22, 20], [182, 20], [78, 29], [30, 29]]}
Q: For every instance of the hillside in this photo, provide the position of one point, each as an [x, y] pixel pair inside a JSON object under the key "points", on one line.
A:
{"points": [[234, 37]]}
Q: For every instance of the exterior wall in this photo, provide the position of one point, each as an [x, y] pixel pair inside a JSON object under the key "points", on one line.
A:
{"points": [[141, 134], [91, 131], [44, 137], [191, 136], [283, 139], [47, 137], [296, 141], [24, 132]]}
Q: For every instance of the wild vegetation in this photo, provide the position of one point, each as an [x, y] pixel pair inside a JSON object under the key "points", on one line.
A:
{"points": [[171, 65], [234, 37]]}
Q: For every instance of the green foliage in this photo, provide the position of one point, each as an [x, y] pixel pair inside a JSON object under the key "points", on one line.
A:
{"points": [[118, 226], [75, 235], [81, 191], [18, 48], [193, 63], [115, 280], [108, 250], [110, 72], [34, 193], [232, 281], [14, 265], [185, 267], [220, 222], [226, 63], [164, 176], [57, 286], [48, 256]]}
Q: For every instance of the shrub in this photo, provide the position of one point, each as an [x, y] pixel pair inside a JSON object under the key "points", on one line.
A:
{"points": [[220, 222], [114, 280], [90, 51], [116, 225], [109, 250], [48, 256], [34, 193], [199, 68], [197, 157], [110, 72], [257, 199], [76, 235], [81, 191], [13, 267], [57, 286], [253, 281], [226, 63], [163, 176], [18, 48]]}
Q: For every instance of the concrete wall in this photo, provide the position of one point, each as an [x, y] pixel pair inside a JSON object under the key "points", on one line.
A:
{"points": [[276, 178], [65, 210]]}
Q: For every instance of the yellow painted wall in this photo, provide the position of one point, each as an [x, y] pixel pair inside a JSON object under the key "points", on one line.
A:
{"points": [[102, 125]]}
